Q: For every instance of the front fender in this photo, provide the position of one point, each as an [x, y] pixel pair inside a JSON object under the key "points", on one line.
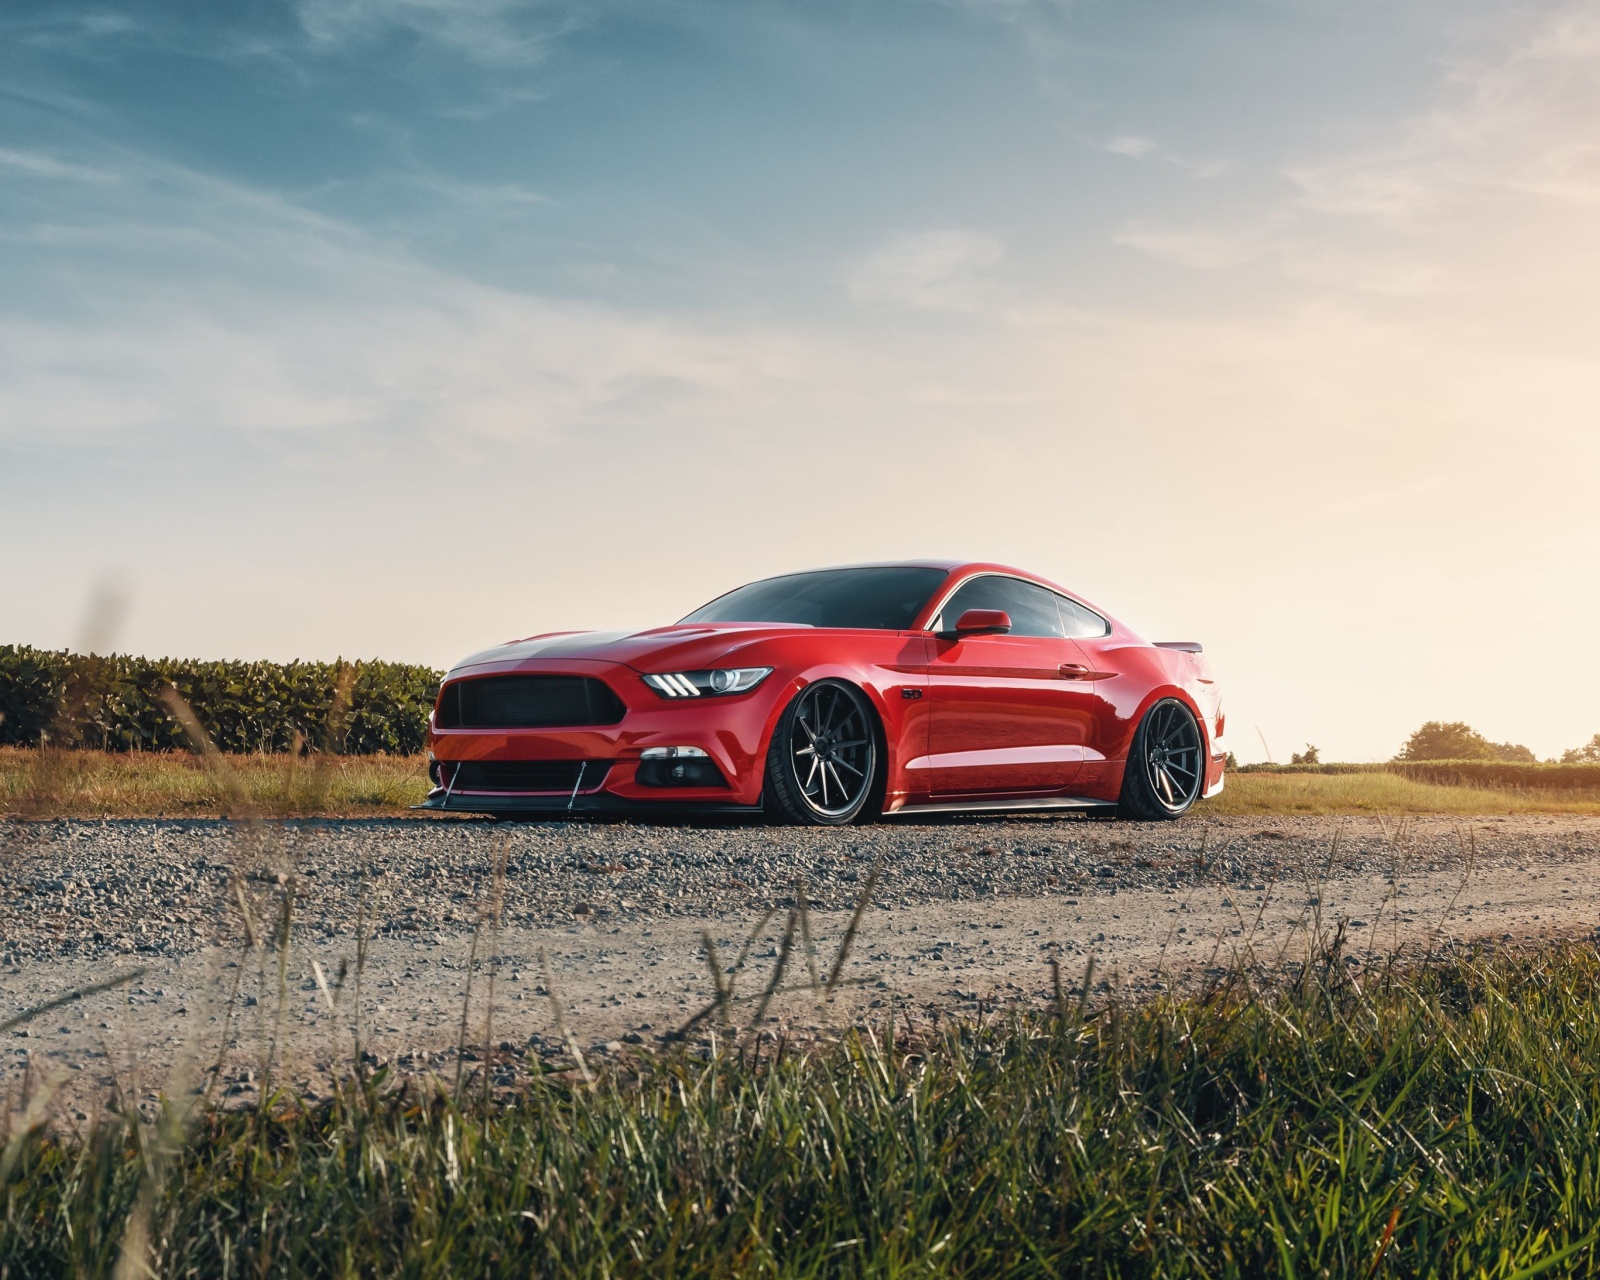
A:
{"points": [[902, 720]]}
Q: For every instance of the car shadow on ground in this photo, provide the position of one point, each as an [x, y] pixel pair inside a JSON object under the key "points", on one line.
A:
{"points": [[726, 821]]}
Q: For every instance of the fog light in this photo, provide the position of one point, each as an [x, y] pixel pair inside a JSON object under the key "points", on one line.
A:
{"points": [[677, 767]]}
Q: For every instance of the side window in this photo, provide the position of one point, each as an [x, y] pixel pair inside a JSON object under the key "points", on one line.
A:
{"points": [[1081, 623], [1033, 609]]}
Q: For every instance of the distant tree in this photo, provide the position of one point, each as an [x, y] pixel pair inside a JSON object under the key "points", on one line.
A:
{"points": [[1513, 753], [1438, 740], [1308, 756], [1588, 753], [1232, 763]]}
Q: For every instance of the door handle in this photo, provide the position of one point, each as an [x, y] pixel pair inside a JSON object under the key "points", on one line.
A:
{"points": [[1073, 670]]}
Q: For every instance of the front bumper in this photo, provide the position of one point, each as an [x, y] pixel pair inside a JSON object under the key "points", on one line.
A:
{"points": [[732, 730], [596, 802]]}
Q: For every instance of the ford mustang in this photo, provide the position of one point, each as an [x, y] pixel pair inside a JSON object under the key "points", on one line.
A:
{"points": [[836, 696]]}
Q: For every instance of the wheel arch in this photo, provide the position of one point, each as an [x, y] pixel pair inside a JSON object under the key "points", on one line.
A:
{"points": [[1158, 694], [888, 747]]}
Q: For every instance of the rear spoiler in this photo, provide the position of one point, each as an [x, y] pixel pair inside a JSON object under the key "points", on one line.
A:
{"points": [[1182, 646]]}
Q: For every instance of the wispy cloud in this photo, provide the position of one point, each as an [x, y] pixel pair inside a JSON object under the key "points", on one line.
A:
{"points": [[1128, 144], [494, 33], [1490, 190], [221, 309], [1201, 248], [945, 270], [40, 164], [1520, 123], [1135, 147]]}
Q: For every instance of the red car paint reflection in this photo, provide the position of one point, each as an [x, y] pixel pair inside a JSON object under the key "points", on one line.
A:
{"points": [[971, 686]]}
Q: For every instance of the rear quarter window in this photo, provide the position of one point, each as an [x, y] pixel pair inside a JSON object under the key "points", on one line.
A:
{"points": [[1081, 623]]}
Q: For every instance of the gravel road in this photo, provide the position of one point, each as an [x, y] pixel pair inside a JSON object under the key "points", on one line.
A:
{"points": [[962, 913]]}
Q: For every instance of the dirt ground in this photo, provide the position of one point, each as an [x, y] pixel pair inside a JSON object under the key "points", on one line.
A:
{"points": [[610, 981]]}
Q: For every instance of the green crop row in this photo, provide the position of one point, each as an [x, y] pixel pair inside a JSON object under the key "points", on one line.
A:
{"points": [[116, 704], [1463, 773]]}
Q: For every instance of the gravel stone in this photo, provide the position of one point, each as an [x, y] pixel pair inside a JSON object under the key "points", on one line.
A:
{"points": [[167, 888]]}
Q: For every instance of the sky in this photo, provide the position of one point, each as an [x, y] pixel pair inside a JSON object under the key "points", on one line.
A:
{"points": [[395, 328]]}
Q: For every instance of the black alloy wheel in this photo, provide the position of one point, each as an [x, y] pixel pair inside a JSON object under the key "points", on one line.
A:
{"points": [[1166, 764], [823, 761]]}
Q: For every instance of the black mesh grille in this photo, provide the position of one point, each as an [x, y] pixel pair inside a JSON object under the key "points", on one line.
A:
{"points": [[527, 702], [525, 775]]}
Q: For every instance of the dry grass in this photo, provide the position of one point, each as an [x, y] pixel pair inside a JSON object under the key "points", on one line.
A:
{"points": [[106, 784], [96, 784], [1323, 793]]}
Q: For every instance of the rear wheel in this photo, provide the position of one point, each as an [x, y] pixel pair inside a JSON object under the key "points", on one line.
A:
{"points": [[822, 765], [1166, 764]]}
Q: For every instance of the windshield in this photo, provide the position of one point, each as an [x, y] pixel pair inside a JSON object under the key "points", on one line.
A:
{"points": [[883, 599]]}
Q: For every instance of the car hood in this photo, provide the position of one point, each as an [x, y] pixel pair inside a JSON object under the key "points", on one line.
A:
{"points": [[676, 648]]}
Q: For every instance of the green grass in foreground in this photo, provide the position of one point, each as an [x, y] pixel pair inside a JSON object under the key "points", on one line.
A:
{"points": [[1437, 1120], [92, 784]]}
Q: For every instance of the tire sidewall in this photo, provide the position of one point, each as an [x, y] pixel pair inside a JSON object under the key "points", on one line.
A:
{"points": [[784, 796], [1139, 798]]}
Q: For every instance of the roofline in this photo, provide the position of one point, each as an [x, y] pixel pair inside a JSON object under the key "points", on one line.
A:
{"points": [[947, 566], [953, 568]]}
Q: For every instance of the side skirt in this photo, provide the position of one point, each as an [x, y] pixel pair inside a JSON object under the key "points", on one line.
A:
{"points": [[1040, 805]]}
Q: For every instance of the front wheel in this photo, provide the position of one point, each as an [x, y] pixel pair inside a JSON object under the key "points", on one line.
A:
{"points": [[1166, 764], [823, 761]]}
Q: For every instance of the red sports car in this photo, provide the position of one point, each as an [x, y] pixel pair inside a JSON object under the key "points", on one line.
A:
{"points": [[838, 696]]}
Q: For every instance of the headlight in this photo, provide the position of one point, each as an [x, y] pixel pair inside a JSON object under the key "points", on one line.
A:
{"points": [[696, 684]]}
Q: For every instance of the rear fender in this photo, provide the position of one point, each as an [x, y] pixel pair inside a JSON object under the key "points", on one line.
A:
{"points": [[1181, 695]]}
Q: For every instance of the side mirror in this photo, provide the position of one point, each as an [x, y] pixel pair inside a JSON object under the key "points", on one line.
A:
{"points": [[982, 622]]}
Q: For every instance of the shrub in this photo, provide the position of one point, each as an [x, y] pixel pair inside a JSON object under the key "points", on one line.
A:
{"points": [[1588, 753], [1455, 740], [114, 703], [1513, 753], [1438, 740]]}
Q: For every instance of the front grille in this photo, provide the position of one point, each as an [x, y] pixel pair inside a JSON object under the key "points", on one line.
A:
{"points": [[527, 702], [525, 775]]}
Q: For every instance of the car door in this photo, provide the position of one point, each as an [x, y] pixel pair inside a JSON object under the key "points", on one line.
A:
{"points": [[1107, 692], [1009, 714]]}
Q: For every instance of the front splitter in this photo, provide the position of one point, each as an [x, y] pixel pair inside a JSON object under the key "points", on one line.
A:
{"points": [[554, 806]]}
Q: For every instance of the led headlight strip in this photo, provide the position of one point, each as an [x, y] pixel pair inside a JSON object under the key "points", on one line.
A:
{"points": [[699, 684]]}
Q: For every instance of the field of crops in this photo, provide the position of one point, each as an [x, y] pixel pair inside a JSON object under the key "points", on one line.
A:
{"points": [[121, 703]]}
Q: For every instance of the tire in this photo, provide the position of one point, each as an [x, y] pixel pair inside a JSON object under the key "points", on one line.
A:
{"points": [[804, 780], [1166, 765]]}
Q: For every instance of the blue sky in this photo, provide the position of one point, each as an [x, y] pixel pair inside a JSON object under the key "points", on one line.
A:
{"points": [[391, 327]]}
